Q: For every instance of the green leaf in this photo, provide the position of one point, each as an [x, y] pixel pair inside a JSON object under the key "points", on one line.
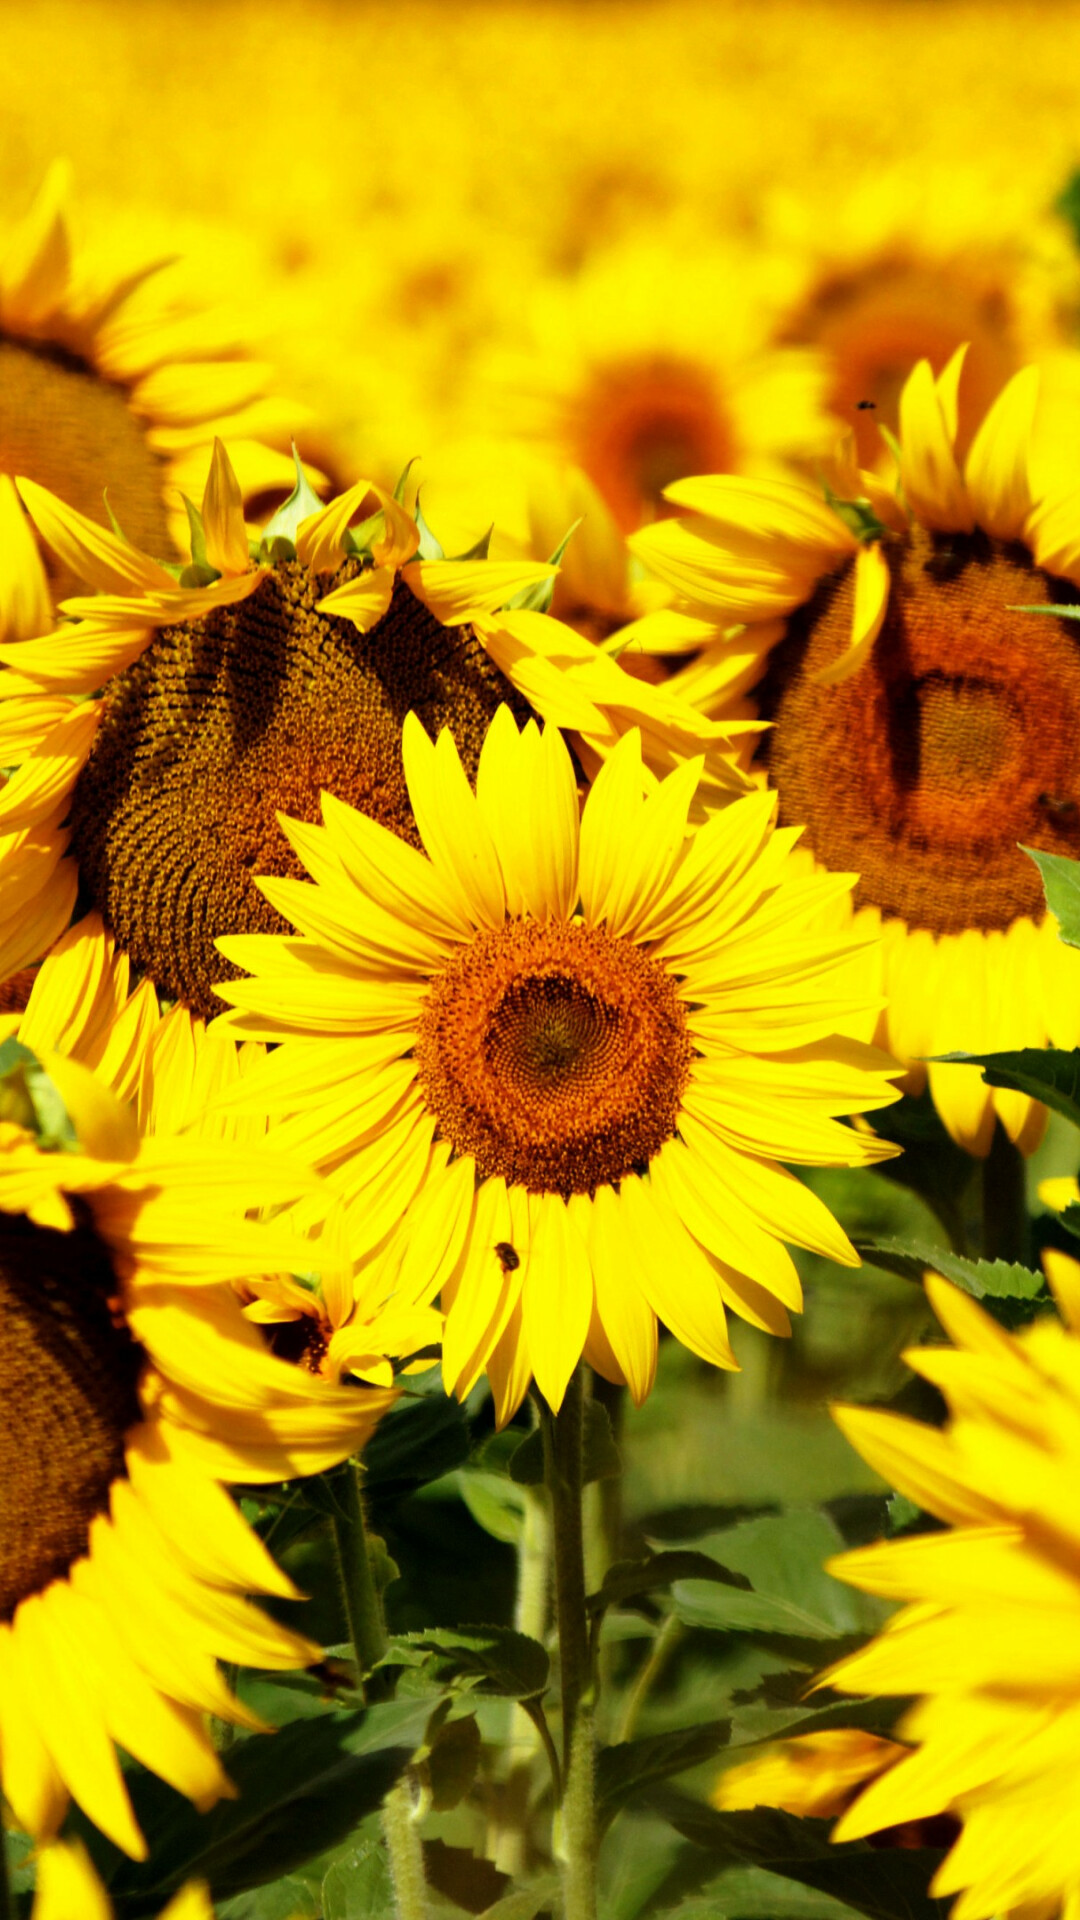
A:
{"points": [[419, 1441], [451, 1763], [983, 1279], [750, 1893], [629, 1579], [1049, 1074], [782, 1555], [887, 1883], [358, 1886], [486, 1660], [623, 1770], [602, 1460], [287, 1899], [300, 1792], [496, 1503], [1061, 885], [525, 1903]]}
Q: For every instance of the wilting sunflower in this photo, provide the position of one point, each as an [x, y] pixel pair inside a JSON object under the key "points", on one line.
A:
{"points": [[69, 1889], [105, 380], [249, 686], [925, 724], [989, 1637], [553, 1063], [184, 1079], [133, 1388]]}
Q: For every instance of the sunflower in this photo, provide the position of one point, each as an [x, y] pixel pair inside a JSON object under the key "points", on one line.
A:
{"points": [[133, 1389], [247, 686], [912, 263], [645, 366], [183, 1080], [814, 1774], [101, 369], [924, 721], [550, 1063], [69, 1889], [990, 1633]]}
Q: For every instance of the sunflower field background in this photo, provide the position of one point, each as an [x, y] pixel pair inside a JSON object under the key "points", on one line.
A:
{"points": [[539, 995]]}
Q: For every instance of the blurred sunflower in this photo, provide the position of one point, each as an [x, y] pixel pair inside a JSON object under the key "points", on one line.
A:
{"points": [[69, 1889], [990, 1635], [133, 1388], [924, 721], [814, 1775], [645, 366], [103, 378], [559, 1057], [909, 266], [184, 1079], [246, 687]]}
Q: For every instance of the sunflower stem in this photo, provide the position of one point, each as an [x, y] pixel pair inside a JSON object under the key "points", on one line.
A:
{"points": [[564, 1460], [508, 1843], [403, 1844], [363, 1606], [1006, 1234], [7, 1905]]}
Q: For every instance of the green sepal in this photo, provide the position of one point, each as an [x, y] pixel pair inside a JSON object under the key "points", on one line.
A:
{"points": [[479, 551], [358, 541], [1061, 885], [1063, 612], [198, 533], [29, 1099], [430, 548], [403, 480], [284, 525], [892, 443], [858, 516], [538, 598]]}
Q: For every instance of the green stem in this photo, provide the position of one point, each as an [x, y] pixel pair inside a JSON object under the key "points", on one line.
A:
{"points": [[1006, 1233], [406, 1853], [564, 1464], [659, 1654], [363, 1607], [508, 1838], [7, 1905]]}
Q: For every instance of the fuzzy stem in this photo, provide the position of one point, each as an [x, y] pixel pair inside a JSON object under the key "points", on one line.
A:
{"points": [[564, 1463], [402, 1837], [363, 1607], [7, 1904], [1004, 1201]]}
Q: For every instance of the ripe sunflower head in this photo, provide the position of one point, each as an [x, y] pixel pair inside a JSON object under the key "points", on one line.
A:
{"points": [[104, 378], [134, 1390], [988, 1635], [924, 720], [242, 686], [551, 1060]]}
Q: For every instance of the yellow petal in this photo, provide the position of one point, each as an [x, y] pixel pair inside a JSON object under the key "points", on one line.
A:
{"points": [[363, 600], [223, 516], [997, 465], [557, 1298], [25, 607], [35, 273], [932, 482], [871, 603], [67, 1886], [456, 590], [93, 553]]}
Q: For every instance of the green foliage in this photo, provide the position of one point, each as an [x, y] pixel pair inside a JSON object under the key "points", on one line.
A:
{"points": [[1061, 885], [993, 1279], [782, 1556], [624, 1769], [1049, 1074], [358, 1886], [602, 1460], [487, 1660], [631, 1579]]}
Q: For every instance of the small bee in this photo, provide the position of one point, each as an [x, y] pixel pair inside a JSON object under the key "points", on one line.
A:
{"points": [[508, 1257], [866, 406], [1054, 803]]}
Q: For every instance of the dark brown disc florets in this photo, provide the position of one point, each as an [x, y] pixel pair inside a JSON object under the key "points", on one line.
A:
{"points": [[225, 721]]}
